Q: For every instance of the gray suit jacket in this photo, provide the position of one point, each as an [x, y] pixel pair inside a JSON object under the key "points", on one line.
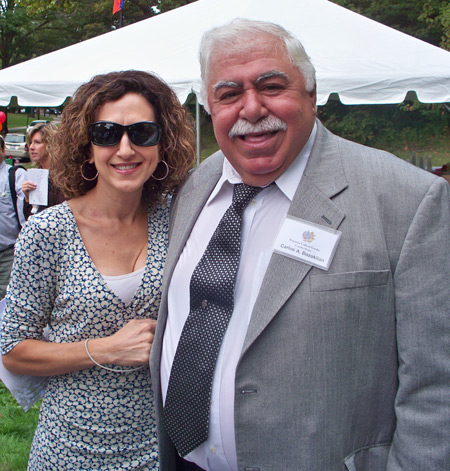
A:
{"points": [[346, 369]]}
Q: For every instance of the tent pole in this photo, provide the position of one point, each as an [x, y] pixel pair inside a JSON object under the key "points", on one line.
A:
{"points": [[197, 125]]}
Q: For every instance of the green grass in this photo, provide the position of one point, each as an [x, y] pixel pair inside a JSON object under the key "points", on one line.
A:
{"points": [[17, 120], [207, 148], [21, 120], [437, 149], [16, 432]]}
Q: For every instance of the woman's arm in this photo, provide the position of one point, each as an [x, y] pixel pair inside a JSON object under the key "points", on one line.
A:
{"points": [[130, 346]]}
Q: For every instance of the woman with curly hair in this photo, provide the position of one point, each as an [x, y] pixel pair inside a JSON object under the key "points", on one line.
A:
{"points": [[38, 140], [91, 268]]}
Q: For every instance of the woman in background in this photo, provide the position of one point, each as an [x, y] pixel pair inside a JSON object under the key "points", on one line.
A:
{"points": [[37, 140], [91, 269]]}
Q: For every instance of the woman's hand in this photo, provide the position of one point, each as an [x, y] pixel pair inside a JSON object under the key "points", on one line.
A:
{"points": [[130, 346], [28, 186]]}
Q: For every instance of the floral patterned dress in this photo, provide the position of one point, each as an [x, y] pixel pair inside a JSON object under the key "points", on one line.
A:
{"points": [[93, 419]]}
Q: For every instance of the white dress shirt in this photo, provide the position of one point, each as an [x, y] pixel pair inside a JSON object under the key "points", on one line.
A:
{"points": [[261, 222], [9, 228]]}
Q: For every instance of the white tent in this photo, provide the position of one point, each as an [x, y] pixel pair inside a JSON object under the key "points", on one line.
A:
{"points": [[360, 60]]}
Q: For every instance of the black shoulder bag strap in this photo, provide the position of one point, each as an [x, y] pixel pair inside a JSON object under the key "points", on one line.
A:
{"points": [[12, 188]]}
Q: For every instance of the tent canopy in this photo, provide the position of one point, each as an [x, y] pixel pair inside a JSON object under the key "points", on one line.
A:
{"points": [[362, 61]]}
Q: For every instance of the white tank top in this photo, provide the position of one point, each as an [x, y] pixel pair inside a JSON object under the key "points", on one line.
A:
{"points": [[124, 286]]}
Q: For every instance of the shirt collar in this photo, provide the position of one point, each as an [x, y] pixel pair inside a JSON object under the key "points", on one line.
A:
{"points": [[286, 182]]}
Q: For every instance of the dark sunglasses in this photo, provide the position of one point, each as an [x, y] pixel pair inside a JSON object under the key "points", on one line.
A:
{"points": [[107, 134]]}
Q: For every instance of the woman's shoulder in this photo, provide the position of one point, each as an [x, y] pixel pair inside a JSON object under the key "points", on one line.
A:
{"points": [[51, 220], [52, 214], [47, 231]]}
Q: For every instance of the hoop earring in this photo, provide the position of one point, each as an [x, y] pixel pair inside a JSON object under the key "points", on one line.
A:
{"points": [[82, 173], [167, 172]]}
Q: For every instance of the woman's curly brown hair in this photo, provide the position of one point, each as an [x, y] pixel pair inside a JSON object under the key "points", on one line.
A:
{"points": [[70, 147]]}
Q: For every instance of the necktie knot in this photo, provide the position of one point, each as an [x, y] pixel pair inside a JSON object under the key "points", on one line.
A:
{"points": [[243, 194]]}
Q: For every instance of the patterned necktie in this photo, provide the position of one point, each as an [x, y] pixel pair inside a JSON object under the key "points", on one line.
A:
{"points": [[188, 400]]}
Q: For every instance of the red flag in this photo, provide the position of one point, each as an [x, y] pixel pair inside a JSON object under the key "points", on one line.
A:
{"points": [[118, 5]]}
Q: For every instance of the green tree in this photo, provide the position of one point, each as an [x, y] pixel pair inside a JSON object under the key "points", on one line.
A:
{"points": [[428, 20], [436, 14], [30, 28], [14, 25], [171, 4]]}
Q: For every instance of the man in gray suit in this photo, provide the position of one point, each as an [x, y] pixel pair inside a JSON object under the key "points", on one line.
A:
{"points": [[337, 353]]}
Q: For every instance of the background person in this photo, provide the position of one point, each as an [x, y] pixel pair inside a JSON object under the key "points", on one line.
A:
{"points": [[91, 269], [37, 141], [11, 215], [320, 368]]}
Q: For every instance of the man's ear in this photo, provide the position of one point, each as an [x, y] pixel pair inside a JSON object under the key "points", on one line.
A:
{"points": [[313, 95]]}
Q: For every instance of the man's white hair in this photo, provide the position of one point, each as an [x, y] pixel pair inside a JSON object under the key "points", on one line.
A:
{"points": [[238, 36]]}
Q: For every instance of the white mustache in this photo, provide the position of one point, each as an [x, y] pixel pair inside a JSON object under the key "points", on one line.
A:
{"points": [[268, 124]]}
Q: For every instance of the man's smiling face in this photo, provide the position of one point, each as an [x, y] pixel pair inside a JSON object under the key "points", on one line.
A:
{"points": [[261, 112]]}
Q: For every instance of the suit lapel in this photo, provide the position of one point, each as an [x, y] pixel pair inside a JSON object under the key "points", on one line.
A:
{"points": [[323, 179]]}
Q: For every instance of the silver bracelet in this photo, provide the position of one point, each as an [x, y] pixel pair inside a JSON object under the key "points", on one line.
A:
{"points": [[105, 367]]}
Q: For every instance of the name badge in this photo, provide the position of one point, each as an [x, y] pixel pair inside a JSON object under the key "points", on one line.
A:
{"points": [[308, 242]]}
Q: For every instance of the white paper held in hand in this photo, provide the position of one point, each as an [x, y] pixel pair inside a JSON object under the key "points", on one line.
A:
{"points": [[39, 176]]}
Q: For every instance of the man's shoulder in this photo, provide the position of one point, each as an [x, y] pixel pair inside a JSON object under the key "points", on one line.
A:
{"points": [[360, 160], [15, 168], [211, 164], [385, 164], [18, 171], [203, 177]]}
